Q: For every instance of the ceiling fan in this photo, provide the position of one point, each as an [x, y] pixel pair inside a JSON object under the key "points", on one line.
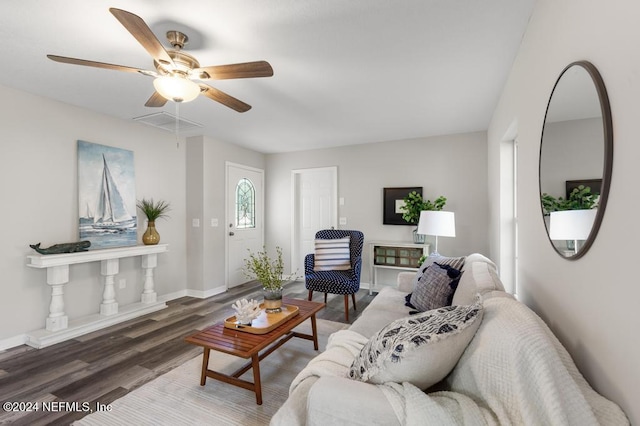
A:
{"points": [[175, 69]]}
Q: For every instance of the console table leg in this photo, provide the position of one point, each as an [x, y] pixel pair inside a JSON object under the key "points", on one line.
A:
{"points": [[149, 261], [57, 277], [374, 278], [109, 268]]}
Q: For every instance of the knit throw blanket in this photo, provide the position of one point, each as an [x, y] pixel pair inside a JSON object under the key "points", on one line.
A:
{"points": [[513, 372]]}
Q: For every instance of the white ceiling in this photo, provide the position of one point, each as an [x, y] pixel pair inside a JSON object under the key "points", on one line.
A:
{"points": [[345, 71]]}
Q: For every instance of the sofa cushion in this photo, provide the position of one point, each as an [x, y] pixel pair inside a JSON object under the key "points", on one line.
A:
{"points": [[421, 349], [370, 324], [454, 262], [477, 257], [435, 287], [404, 281], [387, 306], [479, 277], [332, 254]]}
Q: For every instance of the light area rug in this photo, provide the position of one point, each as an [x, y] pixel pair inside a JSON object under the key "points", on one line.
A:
{"points": [[176, 398]]}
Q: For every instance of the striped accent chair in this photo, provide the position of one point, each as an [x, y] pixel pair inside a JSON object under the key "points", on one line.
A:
{"points": [[341, 280]]}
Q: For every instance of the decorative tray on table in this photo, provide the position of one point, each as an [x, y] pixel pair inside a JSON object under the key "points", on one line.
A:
{"points": [[265, 322]]}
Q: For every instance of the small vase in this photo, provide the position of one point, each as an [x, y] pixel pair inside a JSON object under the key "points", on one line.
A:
{"points": [[151, 236], [418, 238], [272, 300]]}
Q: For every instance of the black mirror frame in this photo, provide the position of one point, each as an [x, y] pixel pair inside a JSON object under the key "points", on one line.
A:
{"points": [[607, 125]]}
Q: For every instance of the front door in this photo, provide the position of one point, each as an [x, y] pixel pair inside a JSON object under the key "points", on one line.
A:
{"points": [[245, 218]]}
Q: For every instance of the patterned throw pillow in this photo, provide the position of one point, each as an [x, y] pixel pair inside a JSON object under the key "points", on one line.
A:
{"points": [[332, 255], [435, 287], [420, 349], [454, 262]]}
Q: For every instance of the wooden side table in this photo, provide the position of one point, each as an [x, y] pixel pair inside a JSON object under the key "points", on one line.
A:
{"points": [[248, 345]]}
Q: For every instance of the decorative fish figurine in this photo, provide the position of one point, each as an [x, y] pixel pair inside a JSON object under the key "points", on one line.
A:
{"points": [[62, 248]]}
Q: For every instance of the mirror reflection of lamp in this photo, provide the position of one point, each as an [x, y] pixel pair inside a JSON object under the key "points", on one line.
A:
{"points": [[573, 225], [437, 223]]}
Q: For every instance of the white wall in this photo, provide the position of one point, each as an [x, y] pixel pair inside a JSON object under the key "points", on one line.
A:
{"points": [[206, 200], [591, 303], [39, 191], [579, 140], [454, 166]]}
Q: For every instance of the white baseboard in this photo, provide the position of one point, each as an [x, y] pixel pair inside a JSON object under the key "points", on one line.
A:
{"points": [[204, 294], [12, 342], [172, 296], [192, 293]]}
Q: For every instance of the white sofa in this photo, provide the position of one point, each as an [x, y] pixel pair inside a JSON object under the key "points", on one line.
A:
{"points": [[513, 371]]}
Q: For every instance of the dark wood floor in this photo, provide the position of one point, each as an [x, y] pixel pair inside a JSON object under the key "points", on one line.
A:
{"points": [[103, 366]]}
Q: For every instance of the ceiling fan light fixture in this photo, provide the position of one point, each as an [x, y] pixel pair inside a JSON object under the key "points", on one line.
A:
{"points": [[176, 88]]}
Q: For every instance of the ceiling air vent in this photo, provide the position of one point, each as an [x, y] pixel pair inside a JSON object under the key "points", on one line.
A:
{"points": [[169, 122]]}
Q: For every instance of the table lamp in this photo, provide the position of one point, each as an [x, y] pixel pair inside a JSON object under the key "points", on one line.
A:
{"points": [[437, 223], [571, 225]]}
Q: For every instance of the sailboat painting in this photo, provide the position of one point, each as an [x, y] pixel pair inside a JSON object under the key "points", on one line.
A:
{"points": [[106, 196]]}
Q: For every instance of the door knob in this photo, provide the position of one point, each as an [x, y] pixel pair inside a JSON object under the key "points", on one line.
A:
{"points": [[231, 233]]}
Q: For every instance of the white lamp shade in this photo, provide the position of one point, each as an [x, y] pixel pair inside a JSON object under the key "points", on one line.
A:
{"points": [[571, 224], [437, 222], [176, 88]]}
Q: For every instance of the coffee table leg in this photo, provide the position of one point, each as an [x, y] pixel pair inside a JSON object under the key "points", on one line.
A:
{"points": [[314, 331], [205, 366], [255, 366]]}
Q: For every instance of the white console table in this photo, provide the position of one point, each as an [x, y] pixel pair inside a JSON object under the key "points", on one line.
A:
{"points": [[400, 256], [58, 327]]}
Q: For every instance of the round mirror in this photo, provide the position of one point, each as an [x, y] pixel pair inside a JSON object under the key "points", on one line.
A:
{"points": [[576, 155]]}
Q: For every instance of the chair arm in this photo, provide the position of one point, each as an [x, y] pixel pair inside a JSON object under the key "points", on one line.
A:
{"points": [[309, 262], [357, 267]]}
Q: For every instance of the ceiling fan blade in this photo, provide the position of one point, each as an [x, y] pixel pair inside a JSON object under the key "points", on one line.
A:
{"points": [[74, 61], [244, 70], [141, 31], [156, 100], [223, 98]]}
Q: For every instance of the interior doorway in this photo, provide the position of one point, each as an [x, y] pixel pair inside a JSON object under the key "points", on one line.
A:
{"points": [[315, 207]]}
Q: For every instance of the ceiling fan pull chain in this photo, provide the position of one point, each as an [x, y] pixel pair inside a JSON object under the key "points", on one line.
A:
{"points": [[177, 124]]}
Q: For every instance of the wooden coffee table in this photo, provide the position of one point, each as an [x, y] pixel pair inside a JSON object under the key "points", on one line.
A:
{"points": [[248, 345]]}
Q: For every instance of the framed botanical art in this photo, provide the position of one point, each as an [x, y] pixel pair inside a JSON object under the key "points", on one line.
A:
{"points": [[594, 184], [393, 199]]}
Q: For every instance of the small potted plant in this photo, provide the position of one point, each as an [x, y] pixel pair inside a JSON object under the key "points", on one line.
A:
{"points": [[581, 198], [153, 211], [413, 205], [269, 272]]}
